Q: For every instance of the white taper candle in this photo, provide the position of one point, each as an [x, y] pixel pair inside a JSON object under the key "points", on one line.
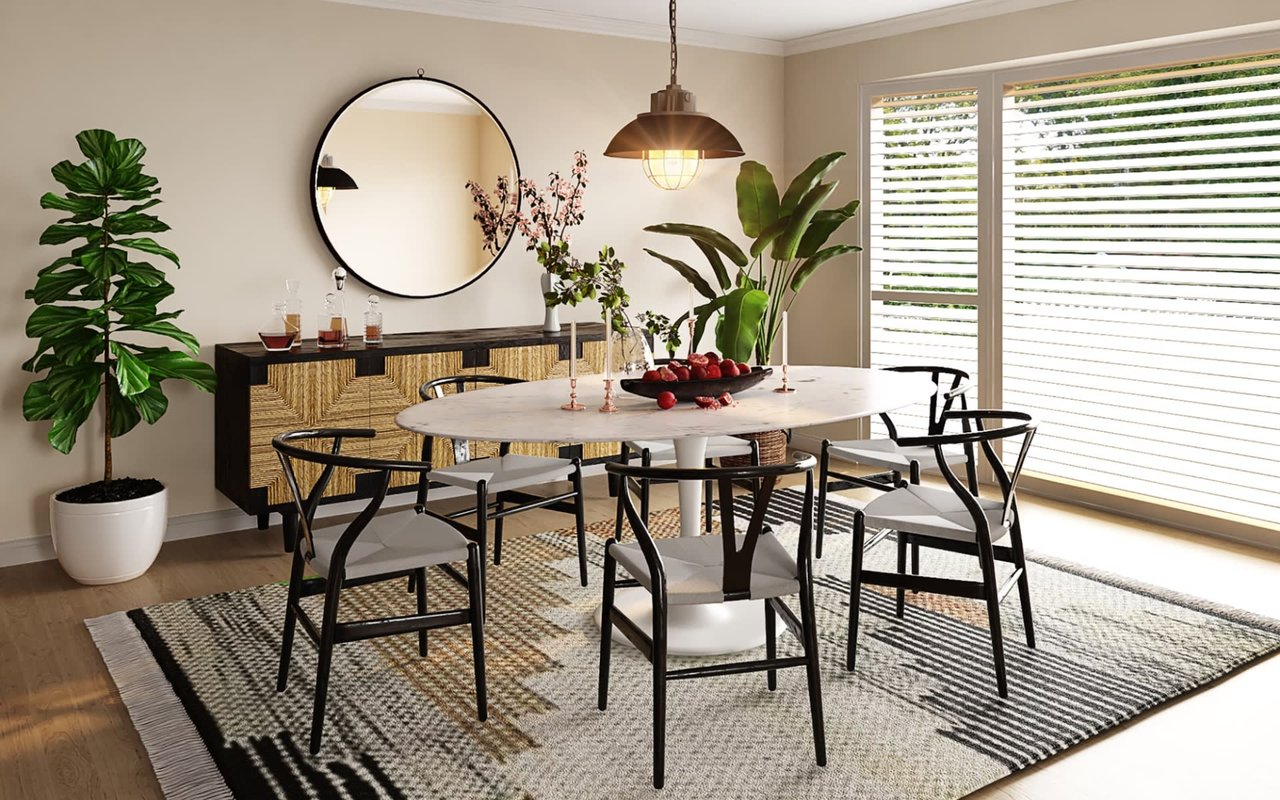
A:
{"points": [[608, 344], [573, 349], [785, 359]]}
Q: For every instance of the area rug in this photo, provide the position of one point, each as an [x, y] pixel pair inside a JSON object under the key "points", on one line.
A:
{"points": [[919, 719]]}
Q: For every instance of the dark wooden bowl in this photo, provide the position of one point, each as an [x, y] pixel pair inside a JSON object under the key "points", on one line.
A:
{"points": [[687, 390]]}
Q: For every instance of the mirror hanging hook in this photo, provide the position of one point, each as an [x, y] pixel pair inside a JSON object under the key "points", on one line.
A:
{"points": [[421, 72]]}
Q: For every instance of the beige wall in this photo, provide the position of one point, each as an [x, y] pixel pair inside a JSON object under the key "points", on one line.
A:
{"points": [[822, 110], [231, 96]]}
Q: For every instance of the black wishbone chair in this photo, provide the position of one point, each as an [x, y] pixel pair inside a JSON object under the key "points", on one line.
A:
{"points": [[892, 454], [650, 451], [497, 481], [371, 548], [714, 569], [957, 520]]}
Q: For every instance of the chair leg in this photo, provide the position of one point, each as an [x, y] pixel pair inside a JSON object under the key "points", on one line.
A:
{"points": [[813, 668], [855, 587], [1024, 587], [580, 524], [482, 539], [606, 629], [992, 596], [290, 619], [659, 695], [497, 529], [901, 539], [623, 485], [821, 522], [475, 563], [770, 643], [708, 496], [327, 630], [915, 558], [420, 585]]}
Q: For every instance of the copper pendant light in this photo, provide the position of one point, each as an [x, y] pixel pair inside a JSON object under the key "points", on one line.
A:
{"points": [[672, 138]]}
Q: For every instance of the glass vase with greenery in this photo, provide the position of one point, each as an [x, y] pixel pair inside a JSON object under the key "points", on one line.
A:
{"points": [[789, 236]]}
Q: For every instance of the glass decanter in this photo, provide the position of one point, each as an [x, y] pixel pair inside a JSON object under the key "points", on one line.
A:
{"points": [[373, 322], [275, 333]]}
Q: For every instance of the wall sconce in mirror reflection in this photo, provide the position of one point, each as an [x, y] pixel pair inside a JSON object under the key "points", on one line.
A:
{"points": [[673, 138], [328, 179]]}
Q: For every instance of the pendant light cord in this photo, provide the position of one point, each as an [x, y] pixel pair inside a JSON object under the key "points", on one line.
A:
{"points": [[673, 43]]}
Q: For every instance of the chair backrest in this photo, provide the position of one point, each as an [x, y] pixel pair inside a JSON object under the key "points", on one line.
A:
{"points": [[435, 389], [976, 431], [736, 583], [290, 448], [952, 385]]}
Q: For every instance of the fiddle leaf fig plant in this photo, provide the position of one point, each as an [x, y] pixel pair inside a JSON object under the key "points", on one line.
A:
{"points": [[789, 234], [97, 324]]}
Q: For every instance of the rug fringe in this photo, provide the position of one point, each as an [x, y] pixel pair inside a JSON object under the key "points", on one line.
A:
{"points": [[182, 763]]}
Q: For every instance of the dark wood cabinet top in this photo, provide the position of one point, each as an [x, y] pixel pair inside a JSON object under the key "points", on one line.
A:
{"points": [[422, 342]]}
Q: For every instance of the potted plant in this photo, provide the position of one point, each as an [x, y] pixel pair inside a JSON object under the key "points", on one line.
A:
{"points": [[100, 335], [789, 243]]}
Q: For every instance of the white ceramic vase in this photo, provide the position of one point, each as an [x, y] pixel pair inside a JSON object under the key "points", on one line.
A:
{"points": [[100, 543], [551, 316]]}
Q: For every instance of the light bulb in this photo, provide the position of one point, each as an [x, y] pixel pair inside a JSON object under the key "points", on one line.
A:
{"points": [[323, 195], [672, 169]]}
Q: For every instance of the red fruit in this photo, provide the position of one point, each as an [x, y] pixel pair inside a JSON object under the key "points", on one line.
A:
{"points": [[698, 373], [682, 373], [707, 402], [666, 374], [713, 372], [728, 369], [651, 376], [698, 360], [743, 368], [673, 363], [714, 358], [725, 399], [666, 400]]}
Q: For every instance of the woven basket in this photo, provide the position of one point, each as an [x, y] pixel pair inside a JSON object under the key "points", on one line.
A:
{"points": [[773, 449]]}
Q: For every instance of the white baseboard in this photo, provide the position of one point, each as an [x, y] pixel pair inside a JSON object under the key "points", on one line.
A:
{"points": [[227, 520]]}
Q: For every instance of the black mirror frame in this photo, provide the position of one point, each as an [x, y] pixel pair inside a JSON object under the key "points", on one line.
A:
{"points": [[315, 167]]}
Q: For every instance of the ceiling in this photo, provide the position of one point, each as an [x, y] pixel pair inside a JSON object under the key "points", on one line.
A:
{"points": [[766, 26]]}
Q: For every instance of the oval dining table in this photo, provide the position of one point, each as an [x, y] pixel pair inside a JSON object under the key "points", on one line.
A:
{"points": [[530, 412]]}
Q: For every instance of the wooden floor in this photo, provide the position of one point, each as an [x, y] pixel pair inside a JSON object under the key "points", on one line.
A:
{"points": [[65, 734]]}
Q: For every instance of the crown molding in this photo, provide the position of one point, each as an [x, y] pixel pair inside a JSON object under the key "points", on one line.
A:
{"points": [[966, 12], [580, 23]]}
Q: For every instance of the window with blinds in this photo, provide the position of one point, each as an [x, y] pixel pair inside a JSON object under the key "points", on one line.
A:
{"points": [[923, 251], [1141, 280]]}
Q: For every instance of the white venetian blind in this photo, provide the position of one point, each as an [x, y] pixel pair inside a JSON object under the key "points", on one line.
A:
{"points": [[923, 208], [1141, 259]]}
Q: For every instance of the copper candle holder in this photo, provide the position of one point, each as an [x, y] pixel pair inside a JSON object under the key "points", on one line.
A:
{"points": [[573, 404], [784, 388], [608, 407]]}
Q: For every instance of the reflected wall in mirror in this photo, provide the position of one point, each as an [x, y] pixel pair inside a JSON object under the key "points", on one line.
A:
{"points": [[410, 146]]}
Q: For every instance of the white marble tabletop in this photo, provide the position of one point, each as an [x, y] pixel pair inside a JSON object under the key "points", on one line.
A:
{"points": [[530, 412]]}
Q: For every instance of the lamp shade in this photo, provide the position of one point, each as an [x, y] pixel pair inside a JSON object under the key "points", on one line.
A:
{"points": [[673, 130], [334, 178]]}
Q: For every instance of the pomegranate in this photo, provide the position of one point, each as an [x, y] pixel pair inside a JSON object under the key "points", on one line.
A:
{"points": [[651, 376], [666, 400]]}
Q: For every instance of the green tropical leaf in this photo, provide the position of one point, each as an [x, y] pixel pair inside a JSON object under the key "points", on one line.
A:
{"points": [[740, 322], [126, 153], [806, 270], [62, 434], [64, 172], [702, 315], [757, 198], [151, 404], [130, 181], [144, 273], [95, 176], [823, 225], [717, 265], [81, 205], [57, 285], [129, 223], [171, 364], [104, 262], [59, 264], [166, 329], [805, 182], [125, 414], [37, 403], [61, 234], [687, 272], [95, 142], [786, 245], [702, 233], [148, 245], [767, 236], [143, 206], [132, 373], [50, 320]]}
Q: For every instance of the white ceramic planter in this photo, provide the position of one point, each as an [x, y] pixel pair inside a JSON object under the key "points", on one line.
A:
{"points": [[101, 543]]}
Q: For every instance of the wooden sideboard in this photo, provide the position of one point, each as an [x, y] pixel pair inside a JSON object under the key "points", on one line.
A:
{"points": [[261, 394]]}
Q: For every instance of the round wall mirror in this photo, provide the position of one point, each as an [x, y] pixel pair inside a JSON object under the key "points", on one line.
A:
{"points": [[389, 186]]}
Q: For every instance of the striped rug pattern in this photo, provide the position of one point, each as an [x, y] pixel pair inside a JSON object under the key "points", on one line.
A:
{"points": [[919, 719]]}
